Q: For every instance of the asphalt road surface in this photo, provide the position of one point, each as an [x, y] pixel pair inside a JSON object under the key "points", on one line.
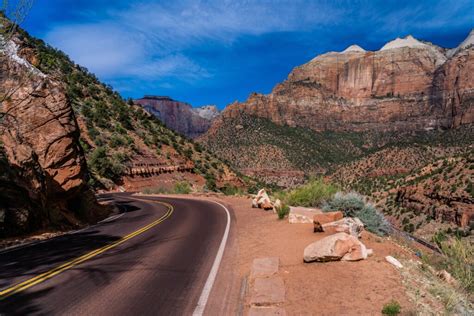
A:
{"points": [[153, 259]]}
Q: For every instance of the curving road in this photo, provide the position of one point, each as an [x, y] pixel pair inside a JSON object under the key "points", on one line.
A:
{"points": [[153, 259]]}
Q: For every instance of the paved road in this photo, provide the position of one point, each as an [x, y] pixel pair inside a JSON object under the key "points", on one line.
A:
{"points": [[158, 271]]}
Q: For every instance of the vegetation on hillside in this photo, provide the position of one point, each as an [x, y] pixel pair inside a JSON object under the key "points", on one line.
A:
{"points": [[312, 194], [113, 131], [355, 205], [320, 193], [248, 141], [419, 197]]}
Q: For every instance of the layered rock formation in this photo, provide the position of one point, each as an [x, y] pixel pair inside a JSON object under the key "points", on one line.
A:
{"points": [[179, 116], [406, 85], [43, 174]]}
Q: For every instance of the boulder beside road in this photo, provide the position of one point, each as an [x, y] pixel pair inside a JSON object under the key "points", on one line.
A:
{"points": [[340, 246], [262, 200], [349, 225]]}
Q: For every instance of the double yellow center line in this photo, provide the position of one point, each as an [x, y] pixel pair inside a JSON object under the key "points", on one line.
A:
{"points": [[70, 264]]}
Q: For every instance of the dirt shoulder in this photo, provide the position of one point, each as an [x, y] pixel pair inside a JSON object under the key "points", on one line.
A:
{"points": [[333, 288]]}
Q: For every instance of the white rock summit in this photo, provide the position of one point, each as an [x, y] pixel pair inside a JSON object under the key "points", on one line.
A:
{"points": [[354, 49], [408, 41], [469, 41]]}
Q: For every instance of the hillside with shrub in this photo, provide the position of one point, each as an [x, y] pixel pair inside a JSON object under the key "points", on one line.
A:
{"points": [[121, 140], [424, 200]]}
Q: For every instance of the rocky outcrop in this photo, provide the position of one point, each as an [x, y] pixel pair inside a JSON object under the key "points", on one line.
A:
{"points": [[441, 205], [408, 85], [43, 171], [179, 116]]}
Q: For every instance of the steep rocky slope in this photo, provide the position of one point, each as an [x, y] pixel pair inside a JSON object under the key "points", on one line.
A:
{"points": [[435, 193], [43, 173], [124, 144], [179, 116]]}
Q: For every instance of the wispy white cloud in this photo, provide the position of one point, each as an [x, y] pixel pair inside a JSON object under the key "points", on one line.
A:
{"points": [[158, 40], [150, 40]]}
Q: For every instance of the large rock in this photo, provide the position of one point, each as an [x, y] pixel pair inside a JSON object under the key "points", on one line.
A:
{"points": [[340, 246], [327, 217], [43, 174], [348, 225], [262, 200]]}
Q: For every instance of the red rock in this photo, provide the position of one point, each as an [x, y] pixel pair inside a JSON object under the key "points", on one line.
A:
{"points": [[180, 116], [340, 246], [43, 170], [327, 217]]}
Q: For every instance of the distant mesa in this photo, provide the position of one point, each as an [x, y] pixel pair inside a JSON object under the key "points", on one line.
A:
{"points": [[180, 116]]}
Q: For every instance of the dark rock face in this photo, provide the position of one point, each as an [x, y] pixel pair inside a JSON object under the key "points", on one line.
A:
{"points": [[43, 174], [394, 89], [180, 116]]}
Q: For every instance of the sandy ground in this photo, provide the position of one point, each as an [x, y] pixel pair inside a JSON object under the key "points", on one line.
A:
{"points": [[334, 288]]}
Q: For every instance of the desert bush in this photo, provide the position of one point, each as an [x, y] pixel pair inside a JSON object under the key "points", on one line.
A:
{"points": [[283, 211], [182, 187], [313, 193], [459, 260], [104, 166], [155, 190], [354, 205], [231, 190], [392, 308]]}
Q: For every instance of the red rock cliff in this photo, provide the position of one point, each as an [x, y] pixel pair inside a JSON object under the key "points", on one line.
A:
{"points": [[43, 171], [407, 85]]}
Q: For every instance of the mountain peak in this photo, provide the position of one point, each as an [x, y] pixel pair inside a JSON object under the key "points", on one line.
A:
{"points": [[408, 41], [353, 49], [468, 41]]}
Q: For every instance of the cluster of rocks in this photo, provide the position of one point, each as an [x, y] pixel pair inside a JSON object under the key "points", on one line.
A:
{"points": [[263, 201], [343, 242]]}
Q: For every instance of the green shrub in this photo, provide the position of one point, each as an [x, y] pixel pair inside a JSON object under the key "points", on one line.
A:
{"points": [[182, 188], [283, 211], [231, 190], [210, 182], [155, 190], [104, 166], [459, 260], [392, 308], [313, 193], [354, 205]]}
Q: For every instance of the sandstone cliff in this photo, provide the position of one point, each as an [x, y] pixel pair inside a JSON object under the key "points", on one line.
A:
{"points": [[406, 85], [43, 174], [180, 116]]}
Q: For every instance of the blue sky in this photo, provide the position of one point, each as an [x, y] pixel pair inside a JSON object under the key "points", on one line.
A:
{"points": [[216, 52]]}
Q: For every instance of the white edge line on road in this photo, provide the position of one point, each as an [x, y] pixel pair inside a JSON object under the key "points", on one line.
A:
{"points": [[206, 291]]}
